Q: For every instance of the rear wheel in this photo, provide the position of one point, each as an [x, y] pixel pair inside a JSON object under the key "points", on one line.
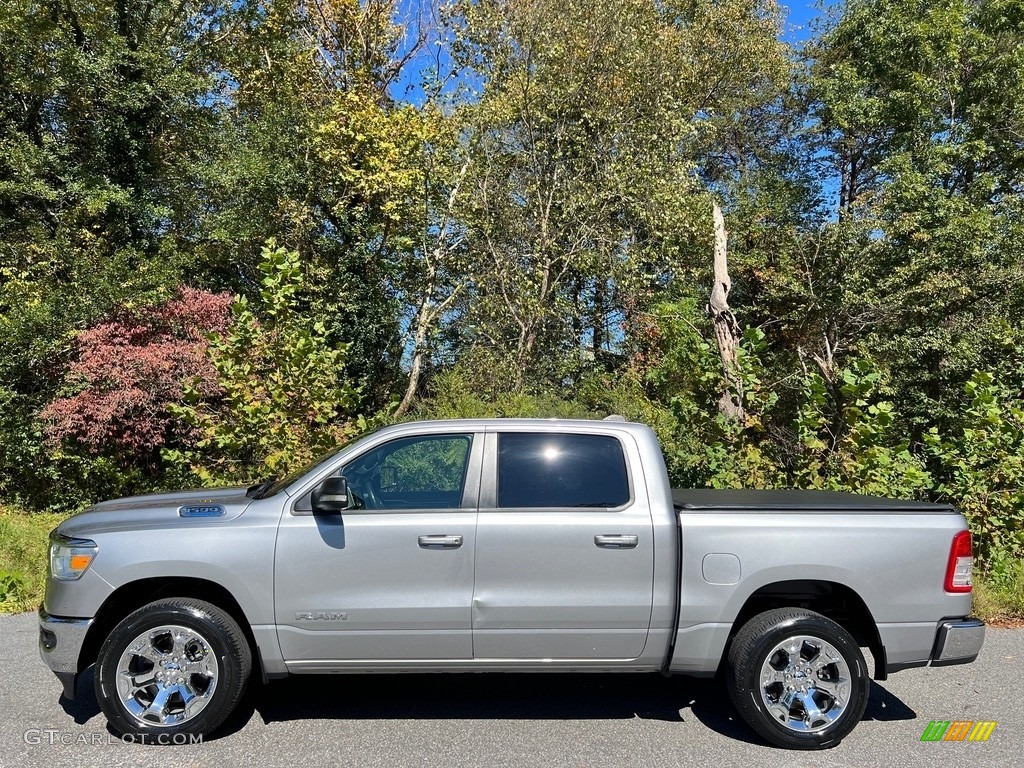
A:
{"points": [[797, 678], [173, 668]]}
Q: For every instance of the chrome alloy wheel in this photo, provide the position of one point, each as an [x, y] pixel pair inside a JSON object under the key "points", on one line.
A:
{"points": [[167, 675], [805, 683]]}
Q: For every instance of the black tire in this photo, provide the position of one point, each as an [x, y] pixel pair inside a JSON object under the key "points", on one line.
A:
{"points": [[202, 659], [834, 688]]}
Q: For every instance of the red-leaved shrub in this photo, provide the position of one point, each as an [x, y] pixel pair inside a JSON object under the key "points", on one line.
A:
{"points": [[130, 368]]}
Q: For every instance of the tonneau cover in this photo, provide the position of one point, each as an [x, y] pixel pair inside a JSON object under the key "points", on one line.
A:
{"points": [[744, 500]]}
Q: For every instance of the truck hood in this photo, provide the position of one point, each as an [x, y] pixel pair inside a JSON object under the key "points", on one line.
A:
{"points": [[156, 510]]}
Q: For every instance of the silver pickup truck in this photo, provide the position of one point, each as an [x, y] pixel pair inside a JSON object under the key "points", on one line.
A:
{"points": [[504, 545]]}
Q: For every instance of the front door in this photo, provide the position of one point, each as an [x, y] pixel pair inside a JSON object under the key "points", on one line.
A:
{"points": [[565, 549], [390, 579]]}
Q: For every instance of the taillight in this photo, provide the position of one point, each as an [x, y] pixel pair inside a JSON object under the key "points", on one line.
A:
{"points": [[961, 564]]}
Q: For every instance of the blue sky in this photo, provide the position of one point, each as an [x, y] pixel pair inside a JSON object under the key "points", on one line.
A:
{"points": [[797, 25]]}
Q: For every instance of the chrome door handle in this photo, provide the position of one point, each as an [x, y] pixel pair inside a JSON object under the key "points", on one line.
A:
{"points": [[617, 541], [440, 542]]}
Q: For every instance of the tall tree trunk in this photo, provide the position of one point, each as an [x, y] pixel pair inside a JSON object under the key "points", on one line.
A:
{"points": [[430, 310], [427, 313], [419, 350], [599, 315], [727, 330]]}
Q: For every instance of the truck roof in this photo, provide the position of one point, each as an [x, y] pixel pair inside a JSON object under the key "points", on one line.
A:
{"points": [[524, 421], [543, 425]]}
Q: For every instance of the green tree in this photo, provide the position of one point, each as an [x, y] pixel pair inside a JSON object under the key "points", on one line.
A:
{"points": [[318, 154], [590, 126], [279, 402], [104, 118], [919, 105]]}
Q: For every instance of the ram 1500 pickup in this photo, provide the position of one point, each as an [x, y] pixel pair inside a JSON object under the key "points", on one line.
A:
{"points": [[504, 545]]}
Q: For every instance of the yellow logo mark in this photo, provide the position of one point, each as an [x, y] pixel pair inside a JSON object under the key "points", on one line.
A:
{"points": [[981, 731]]}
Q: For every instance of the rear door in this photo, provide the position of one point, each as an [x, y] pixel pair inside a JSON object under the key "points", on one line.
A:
{"points": [[564, 551]]}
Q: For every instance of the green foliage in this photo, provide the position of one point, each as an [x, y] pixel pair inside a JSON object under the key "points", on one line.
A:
{"points": [[471, 390], [315, 153], [738, 454], [12, 591], [42, 476], [23, 557], [282, 399], [21, 445], [999, 597], [849, 438], [842, 435], [983, 472]]}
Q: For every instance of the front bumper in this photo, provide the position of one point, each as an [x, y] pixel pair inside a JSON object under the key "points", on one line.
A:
{"points": [[958, 642], [60, 646]]}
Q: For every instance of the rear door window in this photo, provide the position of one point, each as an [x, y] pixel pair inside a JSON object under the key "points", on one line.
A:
{"points": [[561, 470]]}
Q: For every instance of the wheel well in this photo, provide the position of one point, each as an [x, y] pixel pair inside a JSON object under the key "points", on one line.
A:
{"points": [[136, 594], [836, 601]]}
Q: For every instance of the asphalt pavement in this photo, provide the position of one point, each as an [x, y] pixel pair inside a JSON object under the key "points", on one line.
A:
{"points": [[518, 721]]}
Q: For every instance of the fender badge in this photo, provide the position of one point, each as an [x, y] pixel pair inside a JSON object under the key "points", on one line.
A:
{"points": [[205, 510], [320, 616]]}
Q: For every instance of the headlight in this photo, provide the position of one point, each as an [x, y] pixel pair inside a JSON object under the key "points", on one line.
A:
{"points": [[69, 558]]}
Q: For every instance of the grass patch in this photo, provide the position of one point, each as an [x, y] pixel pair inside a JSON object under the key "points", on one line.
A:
{"points": [[23, 548], [1000, 601]]}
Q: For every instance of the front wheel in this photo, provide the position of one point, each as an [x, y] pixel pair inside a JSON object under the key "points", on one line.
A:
{"points": [[797, 678], [171, 669]]}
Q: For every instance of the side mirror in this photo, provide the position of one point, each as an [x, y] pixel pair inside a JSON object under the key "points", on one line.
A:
{"points": [[331, 497]]}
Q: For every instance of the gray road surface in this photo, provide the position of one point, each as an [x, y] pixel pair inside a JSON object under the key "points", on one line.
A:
{"points": [[518, 721]]}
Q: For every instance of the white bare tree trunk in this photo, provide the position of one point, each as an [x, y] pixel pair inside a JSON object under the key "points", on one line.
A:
{"points": [[727, 330]]}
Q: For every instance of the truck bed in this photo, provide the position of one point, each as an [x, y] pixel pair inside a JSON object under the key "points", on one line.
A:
{"points": [[746, 500]]}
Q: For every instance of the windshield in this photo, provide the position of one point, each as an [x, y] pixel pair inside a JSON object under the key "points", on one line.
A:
{"points": [[272, 487]]}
